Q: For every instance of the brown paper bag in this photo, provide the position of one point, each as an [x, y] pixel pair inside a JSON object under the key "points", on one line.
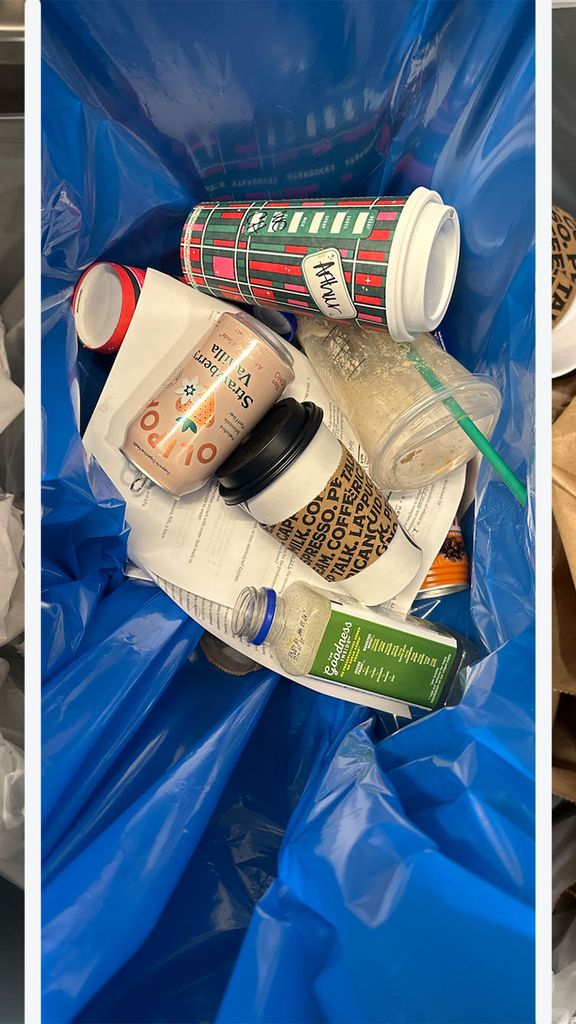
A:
{"points": [[563, 392], [564, 604]]}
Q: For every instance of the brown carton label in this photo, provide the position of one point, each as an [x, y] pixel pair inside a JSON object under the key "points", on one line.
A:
{"points": [[563, 262], [344, 529]]}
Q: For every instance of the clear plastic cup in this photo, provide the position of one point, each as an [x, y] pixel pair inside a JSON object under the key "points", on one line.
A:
{"points": [[408, 434]]}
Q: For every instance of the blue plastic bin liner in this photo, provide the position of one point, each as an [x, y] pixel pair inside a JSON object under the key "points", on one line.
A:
{"points": [[233, 849]]}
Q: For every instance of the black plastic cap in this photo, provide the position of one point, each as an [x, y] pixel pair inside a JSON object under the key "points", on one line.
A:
{"points": [[274, 444]]}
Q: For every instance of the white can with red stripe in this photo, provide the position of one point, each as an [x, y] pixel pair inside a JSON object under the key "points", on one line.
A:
{"points": [[104, 302]]}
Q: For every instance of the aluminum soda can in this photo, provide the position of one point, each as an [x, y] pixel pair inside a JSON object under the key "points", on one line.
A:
{"points": [[104, 302], [206, 406]]}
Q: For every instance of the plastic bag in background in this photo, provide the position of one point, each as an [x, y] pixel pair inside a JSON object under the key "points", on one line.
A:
{"points": [[12, 310], [248, 849], [563, 890], [11, 397], [12, 438], [11, 778], [11, 571], [564, 995], [11, 812], [11, 473], [12, 461], [11, 203], [11, 702], [11, 603], [11, 498]]}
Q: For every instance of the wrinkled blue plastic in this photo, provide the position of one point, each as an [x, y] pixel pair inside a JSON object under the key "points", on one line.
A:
{"points": [[243, 849]]}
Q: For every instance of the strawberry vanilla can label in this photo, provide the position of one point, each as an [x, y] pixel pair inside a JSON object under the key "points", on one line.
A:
{"points": [[327, 256], [208, 404]]}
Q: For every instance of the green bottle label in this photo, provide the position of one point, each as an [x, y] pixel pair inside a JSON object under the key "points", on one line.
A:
{"points": [[405, 663]]}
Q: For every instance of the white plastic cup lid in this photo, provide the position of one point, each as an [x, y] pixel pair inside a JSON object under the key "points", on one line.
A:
{"points": [[422, 266], [104, 302]]}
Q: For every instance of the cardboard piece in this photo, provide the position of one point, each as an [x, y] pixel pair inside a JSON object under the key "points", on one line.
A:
{"points": [[563, 392], [564, 604]]}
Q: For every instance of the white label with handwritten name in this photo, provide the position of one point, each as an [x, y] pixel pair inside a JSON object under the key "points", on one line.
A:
{"points": [[324, 276]]}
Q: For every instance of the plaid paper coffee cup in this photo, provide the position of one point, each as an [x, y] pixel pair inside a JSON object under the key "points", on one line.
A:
{"points": [[382, 262]]}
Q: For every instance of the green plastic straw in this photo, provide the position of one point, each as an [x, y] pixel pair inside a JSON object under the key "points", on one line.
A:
{"points": [[469, 427]]}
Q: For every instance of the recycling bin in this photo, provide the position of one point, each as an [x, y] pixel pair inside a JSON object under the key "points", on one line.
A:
{"points": [[222, 848]]}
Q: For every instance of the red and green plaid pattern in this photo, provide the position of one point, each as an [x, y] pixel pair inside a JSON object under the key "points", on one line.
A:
{"points": [[252, 252]]}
